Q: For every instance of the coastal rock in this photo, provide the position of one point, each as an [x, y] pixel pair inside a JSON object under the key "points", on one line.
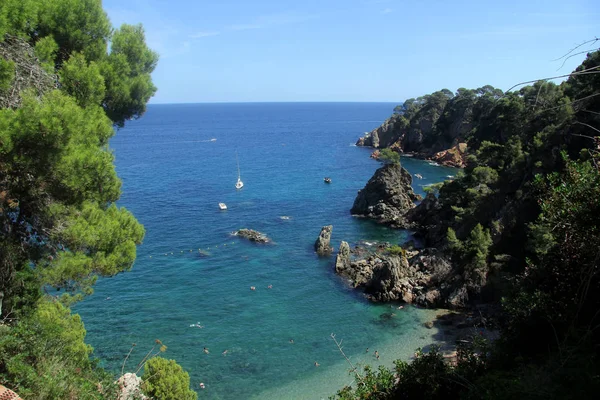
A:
{"points": [[252, 235], [426, 278], [389, 280], [459, 297], [387, 196], [322, 244], [383, 276], [425, 220], [452, 157], [384, 135], [342, 260], [130, 387]]}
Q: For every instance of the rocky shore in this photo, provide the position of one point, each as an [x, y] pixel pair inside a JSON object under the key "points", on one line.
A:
{"points": [[385, 273]]}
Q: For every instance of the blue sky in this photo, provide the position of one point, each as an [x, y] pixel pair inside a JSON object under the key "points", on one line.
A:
{"points": [[352, 50]]}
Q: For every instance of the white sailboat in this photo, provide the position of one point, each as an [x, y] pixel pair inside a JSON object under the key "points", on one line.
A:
{"points": [[239, 184]]}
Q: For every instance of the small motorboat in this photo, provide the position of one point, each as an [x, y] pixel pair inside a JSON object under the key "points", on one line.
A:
{"points": [[419, 176], [327, 180], [223, 206]]}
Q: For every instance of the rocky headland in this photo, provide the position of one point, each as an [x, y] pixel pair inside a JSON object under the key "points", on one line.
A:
{"points": [[435, 127]]}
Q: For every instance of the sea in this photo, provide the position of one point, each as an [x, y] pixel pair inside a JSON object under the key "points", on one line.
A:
{"points": [[191, 284]]}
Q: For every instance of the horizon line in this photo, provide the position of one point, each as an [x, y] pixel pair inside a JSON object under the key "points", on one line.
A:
{"points": [[272, 102]]}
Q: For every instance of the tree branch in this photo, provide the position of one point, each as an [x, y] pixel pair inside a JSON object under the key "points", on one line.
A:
{"points": [[353, 368]]}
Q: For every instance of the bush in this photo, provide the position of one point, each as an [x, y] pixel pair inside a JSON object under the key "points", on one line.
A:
{"points": [[396, 250], [166, 380], [44, 356], [389, 156]]}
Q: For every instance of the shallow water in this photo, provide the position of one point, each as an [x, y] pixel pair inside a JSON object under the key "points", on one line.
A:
{"points": [[191, 270]]}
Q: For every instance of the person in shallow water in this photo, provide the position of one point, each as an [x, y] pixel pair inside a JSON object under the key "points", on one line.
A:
{"points": [[377, 354]]}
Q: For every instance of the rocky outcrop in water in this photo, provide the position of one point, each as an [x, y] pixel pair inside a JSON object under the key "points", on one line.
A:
{"points": [[252, 235], [342, 260], [387, 196], [322, 244]]}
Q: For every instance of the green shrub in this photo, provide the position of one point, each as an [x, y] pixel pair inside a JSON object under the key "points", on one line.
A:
{"points": [[166, 380], [396, 250], [44, 356], [389, 156]]}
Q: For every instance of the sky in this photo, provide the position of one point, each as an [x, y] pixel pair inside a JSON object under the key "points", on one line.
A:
{"points": [[353, 50]]}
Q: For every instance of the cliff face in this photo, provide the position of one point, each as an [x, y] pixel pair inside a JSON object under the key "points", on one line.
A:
{"points": [[453, 157], [385, 135], [387, 196]]}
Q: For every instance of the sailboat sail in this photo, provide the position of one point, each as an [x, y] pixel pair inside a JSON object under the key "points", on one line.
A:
{"points": [[239, 184]]}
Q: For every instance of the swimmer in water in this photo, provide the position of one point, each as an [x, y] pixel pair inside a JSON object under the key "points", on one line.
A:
{"points": [[270, 287], [205, 350], [377, 354], [202, 385], [252, 288], [317, 364], [224, 353], [292, 341]]}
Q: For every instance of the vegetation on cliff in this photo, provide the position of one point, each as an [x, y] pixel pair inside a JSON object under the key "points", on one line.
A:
{"points": [[67, 78], [521, 226]]}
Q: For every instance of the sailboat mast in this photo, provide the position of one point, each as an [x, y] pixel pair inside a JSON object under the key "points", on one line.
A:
{"points": [[238, 165]]}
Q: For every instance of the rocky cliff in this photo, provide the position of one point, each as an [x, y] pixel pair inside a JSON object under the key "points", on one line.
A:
{"points": [[387, 196], [436, 126], [452, 157]]}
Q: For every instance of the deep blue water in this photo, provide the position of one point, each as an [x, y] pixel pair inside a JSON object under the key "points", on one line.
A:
{"points": [[174, 176]]}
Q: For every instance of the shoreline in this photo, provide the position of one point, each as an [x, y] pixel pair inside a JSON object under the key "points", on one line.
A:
{"points": [[332, 378]]}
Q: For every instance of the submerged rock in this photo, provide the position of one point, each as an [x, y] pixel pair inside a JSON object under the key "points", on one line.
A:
{"points": [[252, 235], [322, 244], [387, 197]]}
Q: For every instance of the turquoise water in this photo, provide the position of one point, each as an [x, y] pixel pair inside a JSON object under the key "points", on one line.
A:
{"points": [[177, 163]]}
